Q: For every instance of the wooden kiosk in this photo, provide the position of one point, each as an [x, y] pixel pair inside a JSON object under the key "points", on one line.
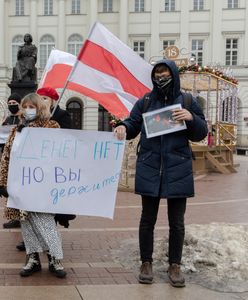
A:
{"points": [[217, 95]]}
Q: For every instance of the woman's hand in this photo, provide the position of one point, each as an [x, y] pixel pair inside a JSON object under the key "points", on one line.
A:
{"points": [[3, 192], [120, 132]]}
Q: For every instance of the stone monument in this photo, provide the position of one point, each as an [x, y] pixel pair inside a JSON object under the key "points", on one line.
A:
{"points": [[24, 77]]}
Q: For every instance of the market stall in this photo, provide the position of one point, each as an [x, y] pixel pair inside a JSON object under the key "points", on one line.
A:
{"points": [[217, 94]]}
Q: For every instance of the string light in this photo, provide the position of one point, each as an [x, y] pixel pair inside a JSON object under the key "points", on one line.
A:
{"points": [[207, 69]]}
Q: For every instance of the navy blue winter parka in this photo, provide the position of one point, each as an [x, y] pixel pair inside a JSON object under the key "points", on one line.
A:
{"points": [[164, 163]]}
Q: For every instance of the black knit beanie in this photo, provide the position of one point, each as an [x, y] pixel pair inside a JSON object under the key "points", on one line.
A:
{"points": [[15, 97]]}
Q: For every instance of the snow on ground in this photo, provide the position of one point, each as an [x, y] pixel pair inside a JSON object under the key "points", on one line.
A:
{"points": [[214, 256]]}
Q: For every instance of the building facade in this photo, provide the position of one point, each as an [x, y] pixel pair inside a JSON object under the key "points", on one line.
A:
{"points": [[214, 31]]}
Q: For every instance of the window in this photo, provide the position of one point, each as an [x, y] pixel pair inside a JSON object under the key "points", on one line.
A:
{"points": [[103, 119], [197, 49], [19, 7], [167, 43], [139, 47], [75, 42], [232, 4], [169, 5], [48, 7], [75, 109], [231, 52], [16, 42], [198, 5], [107, 5], [47, 43], [139, 6], [75, 7]]}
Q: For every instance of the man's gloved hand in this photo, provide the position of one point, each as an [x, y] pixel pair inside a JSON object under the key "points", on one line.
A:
{"points": [[3, 192]]}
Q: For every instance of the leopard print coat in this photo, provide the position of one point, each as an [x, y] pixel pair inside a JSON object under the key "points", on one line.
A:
{"points": [[12, 213]]}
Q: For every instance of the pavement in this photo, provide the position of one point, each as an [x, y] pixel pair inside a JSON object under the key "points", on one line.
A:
{"points": [[89, 244]]}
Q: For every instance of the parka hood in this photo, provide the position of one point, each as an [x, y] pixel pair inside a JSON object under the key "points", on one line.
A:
{"points": [[175, 75]]}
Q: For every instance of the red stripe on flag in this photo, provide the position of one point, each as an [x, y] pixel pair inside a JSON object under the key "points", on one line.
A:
{"points": [[109, 101], [104, 61], [57, 76]]}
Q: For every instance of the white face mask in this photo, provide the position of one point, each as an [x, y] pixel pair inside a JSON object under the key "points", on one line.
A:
{"points": [[30, 113]]}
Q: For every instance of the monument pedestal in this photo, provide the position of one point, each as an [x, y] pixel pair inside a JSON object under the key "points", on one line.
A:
{"points": [[23, 88]]}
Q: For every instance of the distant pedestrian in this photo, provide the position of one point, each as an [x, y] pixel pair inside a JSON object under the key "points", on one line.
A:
{"points": [[13, 102], [164, 167]]}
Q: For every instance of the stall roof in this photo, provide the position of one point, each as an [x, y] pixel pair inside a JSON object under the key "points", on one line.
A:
{"points": [[203, 81]]}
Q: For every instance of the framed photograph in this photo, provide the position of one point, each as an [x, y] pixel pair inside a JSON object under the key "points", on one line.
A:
{"points": [[161, 121]]}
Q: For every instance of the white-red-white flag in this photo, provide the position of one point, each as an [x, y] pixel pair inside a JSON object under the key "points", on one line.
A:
{"points": [[106, 70]]}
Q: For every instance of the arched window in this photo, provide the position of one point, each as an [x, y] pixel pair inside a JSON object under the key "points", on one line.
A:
{"points": [[16, 42], [202, 102], [75, 110], [47, 43], [75, 42], [103, 119]]}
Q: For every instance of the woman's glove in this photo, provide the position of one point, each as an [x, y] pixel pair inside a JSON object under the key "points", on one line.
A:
{"points": [[20, 127], [3, 192]]}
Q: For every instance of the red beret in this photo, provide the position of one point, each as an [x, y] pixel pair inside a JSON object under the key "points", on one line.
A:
{"points": [[49, 92]]}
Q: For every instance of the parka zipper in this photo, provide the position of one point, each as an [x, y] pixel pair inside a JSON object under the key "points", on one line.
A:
{"points": [[161, 154], [161, 158]]}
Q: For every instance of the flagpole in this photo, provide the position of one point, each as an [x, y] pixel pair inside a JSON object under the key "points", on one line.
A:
{"points": [[72, 71]]}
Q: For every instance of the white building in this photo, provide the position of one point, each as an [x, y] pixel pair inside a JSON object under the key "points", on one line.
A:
{"points": [[216, 31]]}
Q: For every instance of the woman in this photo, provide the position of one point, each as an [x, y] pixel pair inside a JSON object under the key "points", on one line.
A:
{"points": [[49, 95], [38, 229]]}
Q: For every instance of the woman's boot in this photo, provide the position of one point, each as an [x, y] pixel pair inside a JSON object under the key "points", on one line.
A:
{"points": [[32, 265], [55, 266]]}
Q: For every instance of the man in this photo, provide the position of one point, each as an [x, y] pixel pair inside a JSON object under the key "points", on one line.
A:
{"points": [[50, 96], [14, 101], [164, 167]]}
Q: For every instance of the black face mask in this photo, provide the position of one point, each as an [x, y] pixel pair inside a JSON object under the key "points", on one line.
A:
{"points": [[164, 84], [162, 81], [13, 108]]}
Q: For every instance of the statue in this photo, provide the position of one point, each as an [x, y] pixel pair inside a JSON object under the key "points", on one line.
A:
{"points": [[25, 69]]}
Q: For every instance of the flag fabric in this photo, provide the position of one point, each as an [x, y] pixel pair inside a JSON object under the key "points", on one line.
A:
{"points": [[106, 70], [58, 68]]}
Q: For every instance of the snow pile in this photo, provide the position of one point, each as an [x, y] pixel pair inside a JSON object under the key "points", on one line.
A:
{"points": [[215, 255]]}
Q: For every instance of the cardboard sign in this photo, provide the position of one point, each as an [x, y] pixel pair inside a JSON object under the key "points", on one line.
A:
{"points": [[65, 171]]}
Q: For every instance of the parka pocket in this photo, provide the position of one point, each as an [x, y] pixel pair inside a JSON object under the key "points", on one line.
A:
{"points": [[143, 157], [184, 153]]}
